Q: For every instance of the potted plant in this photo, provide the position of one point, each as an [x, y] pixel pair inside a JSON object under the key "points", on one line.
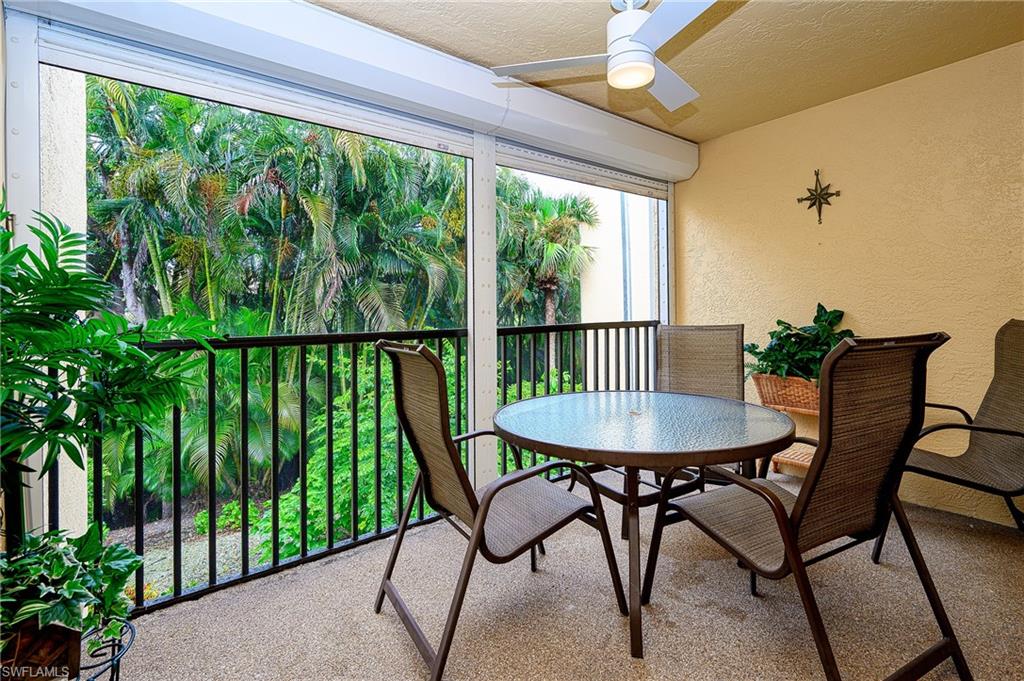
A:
{"points": [[66, 363], [786, 370]]}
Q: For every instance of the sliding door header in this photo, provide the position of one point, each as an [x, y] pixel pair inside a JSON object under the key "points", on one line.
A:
{"points": [[310, 47]]}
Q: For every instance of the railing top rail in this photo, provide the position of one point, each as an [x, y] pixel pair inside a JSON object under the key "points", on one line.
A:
{"points": [[236, 342], [248, 342], [582, 326]]}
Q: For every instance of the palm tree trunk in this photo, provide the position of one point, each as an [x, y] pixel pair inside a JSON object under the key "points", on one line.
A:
{"points": [[133, 308], [160, 274]]}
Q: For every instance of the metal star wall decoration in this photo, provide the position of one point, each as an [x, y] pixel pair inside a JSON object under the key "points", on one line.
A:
{"points": [[818, 196]]}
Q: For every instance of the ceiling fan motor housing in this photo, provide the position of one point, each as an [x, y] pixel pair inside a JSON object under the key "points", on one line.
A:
{"points": [[622, 50]]}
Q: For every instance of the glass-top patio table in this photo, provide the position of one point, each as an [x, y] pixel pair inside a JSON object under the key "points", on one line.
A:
{"points": [[643, 430]]}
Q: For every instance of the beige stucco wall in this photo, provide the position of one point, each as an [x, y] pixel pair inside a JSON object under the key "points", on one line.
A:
{"points": [[928, 233], [62, 194]]}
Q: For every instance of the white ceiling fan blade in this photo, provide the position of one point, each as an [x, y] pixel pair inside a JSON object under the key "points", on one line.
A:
{"points": [[668, 19], [669, 89], [550, 64]]}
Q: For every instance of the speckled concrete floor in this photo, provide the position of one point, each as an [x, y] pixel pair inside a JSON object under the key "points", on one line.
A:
{"points": [[317, 622]]}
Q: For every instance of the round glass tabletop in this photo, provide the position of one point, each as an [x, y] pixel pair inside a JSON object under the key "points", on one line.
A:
{"points": [[644, 429]]}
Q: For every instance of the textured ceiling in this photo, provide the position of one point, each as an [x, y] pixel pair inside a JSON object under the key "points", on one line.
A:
{"points": [[751, 62]]}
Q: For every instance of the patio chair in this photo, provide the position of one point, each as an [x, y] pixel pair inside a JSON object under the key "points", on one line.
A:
{"points": [[872, 408], [994, 459], [503, 520], [702, 360]]}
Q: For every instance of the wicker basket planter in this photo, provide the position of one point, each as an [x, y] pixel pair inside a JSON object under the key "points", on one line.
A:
{"points": [[791, 394]]}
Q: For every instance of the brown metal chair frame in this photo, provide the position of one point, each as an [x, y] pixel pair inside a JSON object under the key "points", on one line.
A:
{"points": [[592, 515], [789, 523], [695, 479], [969, 425]]}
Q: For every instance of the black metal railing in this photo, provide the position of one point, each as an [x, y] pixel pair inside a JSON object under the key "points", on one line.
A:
{"points": [[289, 449], [547, 359]]}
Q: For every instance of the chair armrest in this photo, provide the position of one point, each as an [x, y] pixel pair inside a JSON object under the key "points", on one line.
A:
{"points": [[951, 407], [806, 441], [516, 454], [778, 508], [967, 426]]}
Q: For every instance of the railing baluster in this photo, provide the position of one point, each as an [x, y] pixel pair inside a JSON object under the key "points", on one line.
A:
{"points": [[275, 457], [586, 357], [376, 442], [243, 359], [303, 453], [176, 497], [463, 450], [503, 397], [329, 443], [53, 482], [353, 395], [140, 519], [558, 364], [618, 359], [547, 363], [572, 360], [519, 367], [636, 357], [419, 497], [211, 460], [607, 359], [647, 358]]}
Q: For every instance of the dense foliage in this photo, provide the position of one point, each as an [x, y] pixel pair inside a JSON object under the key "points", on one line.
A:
{"points": [[235, 214], [798, 351], [265, 225]]}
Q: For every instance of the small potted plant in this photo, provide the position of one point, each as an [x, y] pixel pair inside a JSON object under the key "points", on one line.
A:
{"points": [[786, 369], [65, 364]]}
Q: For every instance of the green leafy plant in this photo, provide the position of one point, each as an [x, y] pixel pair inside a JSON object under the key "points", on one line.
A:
{"points": [[75, 582], [798, 351], [67, 364]]}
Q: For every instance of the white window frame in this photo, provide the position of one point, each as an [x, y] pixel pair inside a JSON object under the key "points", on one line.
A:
{"points": [[32, 41]]}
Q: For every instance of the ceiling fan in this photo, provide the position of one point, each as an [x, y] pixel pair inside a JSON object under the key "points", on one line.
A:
{"points": [[634, 35]]}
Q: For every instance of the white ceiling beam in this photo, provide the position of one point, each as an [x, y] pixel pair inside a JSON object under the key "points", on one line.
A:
{"points": [[308, 45]]}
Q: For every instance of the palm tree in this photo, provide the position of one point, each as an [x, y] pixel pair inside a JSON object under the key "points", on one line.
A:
{"points": [[541, 256]]}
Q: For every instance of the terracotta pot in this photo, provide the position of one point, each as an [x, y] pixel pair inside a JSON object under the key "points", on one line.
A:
{"points": [[791, 394]]}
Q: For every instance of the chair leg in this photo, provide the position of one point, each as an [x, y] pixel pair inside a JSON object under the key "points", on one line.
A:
{"points": [[931, 592], [1018, 515], [609, 554], [876, 552], [821, 642], [533, 558], [762, 469], [403, 525], [441, 656], [753, 584]]}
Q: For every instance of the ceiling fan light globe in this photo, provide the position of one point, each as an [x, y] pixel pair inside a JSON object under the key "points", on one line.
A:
{"points": [[630, 75]]}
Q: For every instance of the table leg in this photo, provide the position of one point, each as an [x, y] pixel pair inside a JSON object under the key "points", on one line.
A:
{"points": [[632, 510]]}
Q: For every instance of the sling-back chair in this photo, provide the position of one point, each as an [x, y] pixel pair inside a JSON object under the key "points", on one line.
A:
{"points": [[501, 521], [872, 408]]}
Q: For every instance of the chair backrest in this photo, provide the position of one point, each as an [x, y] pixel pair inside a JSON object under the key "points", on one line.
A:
{"points": [[703, 360], [1003, 404], [421, 402], [871, 411]]}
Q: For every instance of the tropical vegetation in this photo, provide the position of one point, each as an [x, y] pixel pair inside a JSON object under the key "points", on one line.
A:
{"points": [[264, 225], [68, 364]]}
